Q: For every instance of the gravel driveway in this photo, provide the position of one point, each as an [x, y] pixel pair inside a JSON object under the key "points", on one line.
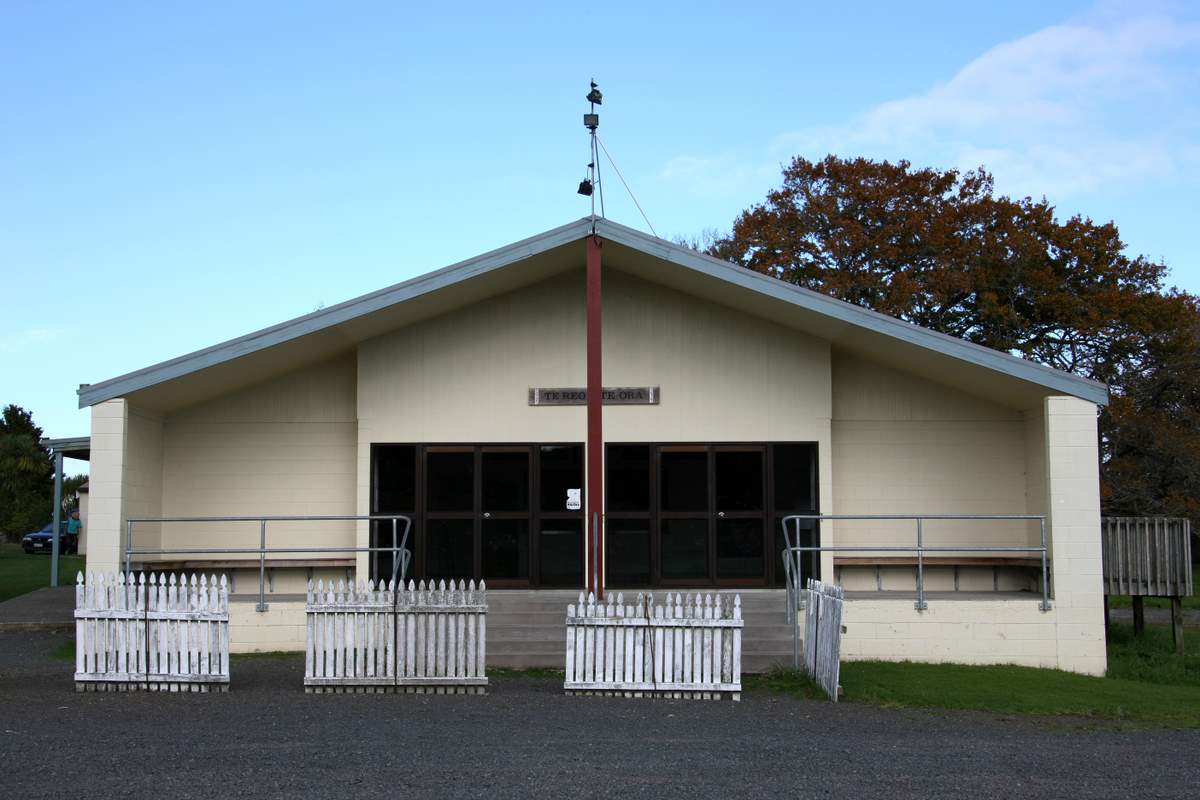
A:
{"points": [[266, 738]]}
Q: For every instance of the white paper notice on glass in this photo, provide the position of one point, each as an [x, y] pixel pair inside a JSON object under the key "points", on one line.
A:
{"points": [[574, 502]]}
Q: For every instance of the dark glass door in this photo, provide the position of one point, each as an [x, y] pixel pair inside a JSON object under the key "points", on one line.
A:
{"points": [[740, 501], [504, 515], [508, 514], [449, 541], [704, 515], [684, 514]]}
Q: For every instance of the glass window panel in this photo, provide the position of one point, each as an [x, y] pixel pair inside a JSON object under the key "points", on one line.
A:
{"points": [[739, 548], [627, 552], [449, 548], [794, 473], [683, 481], [505, 548], [562, 469], [739, 478], [450, 481], [505, 481], [628, 477], [395, 479], [684, 548], [560, 552]]}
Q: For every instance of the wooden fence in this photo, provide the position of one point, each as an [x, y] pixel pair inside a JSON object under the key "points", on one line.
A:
{"points": [[687, 647], [379, 638], [823, 634], [1148, 556], [162, 633]]}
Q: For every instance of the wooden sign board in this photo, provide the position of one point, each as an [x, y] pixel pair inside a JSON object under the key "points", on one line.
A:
{"points": [[614, 396]]}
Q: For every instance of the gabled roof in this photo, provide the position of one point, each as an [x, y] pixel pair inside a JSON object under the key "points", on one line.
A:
{"points": [[336, 329]]}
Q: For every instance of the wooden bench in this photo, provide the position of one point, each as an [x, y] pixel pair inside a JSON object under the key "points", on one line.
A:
{"points": [[995, 562]]}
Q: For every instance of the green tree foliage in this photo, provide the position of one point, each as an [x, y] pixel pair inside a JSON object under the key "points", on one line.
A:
{"points": [[26, 474], [940, 249]]}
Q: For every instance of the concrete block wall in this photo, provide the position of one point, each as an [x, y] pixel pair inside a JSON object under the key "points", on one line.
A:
{"points": [[905, 445], [125, 478], [1073, 511], [281, 628], [106, 475], [957, 631]]}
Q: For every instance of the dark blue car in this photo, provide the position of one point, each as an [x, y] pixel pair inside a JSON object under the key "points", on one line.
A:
{"points": [[43, 541]]}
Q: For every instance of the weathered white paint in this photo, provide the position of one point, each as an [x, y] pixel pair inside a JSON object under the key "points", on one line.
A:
{"points": [[167, 633], [687, 647], [823, 634], [375, 638]]}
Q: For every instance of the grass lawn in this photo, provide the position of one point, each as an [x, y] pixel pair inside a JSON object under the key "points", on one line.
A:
{"points": [[1125, 601], [21, 573], [1146, 683]]}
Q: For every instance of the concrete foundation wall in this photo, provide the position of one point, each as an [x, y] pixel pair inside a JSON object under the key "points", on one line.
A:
{"points": [[956, 631]]}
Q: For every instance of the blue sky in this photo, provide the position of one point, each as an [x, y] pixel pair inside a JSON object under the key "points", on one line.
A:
{"points": [[175, 174]]}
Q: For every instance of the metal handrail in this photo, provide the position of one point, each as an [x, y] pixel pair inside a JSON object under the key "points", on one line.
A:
{"points": [[792, 552], [401, 556]]}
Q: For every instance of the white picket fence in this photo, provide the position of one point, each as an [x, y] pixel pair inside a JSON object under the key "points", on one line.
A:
{"points": [[686, 647], [823, 634], [378, 638], [164, 633]]}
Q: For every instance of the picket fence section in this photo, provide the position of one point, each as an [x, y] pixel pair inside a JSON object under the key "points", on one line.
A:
{"points": [[380, 638], [687, 647], [160, 633], [823, 634]]}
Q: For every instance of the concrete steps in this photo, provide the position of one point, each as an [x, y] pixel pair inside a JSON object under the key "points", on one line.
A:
{"points": [[527, 628]]}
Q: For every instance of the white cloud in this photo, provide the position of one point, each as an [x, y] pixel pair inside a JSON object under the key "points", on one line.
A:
{"points": [[30, 337], [1108, 98]]}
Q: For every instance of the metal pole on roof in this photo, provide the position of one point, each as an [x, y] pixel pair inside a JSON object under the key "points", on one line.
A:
{"points": [[58, 479]]}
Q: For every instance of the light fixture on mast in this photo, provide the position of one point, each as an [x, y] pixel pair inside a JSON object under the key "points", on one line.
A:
{"points": [[591, 186]]}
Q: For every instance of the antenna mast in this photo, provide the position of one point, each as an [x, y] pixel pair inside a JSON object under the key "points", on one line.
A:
{"points": [[591, 185]]}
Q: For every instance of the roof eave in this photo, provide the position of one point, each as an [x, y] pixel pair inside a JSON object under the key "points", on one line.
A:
{"points": [[1048, 377], [91, 394]]}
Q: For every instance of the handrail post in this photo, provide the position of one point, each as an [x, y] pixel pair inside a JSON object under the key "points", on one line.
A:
{"points": [[128, 545], [1045, 570], [395, 551], [787, 570], [262, 565], [921, 604]]}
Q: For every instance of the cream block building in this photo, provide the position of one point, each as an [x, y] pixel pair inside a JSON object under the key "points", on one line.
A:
{"points": [[746, 400]]}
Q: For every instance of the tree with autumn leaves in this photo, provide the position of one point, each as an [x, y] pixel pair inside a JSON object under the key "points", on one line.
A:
{"points": [[940, 249]]}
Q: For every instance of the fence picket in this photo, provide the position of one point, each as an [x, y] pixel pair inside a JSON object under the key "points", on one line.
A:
{"points": [[685, 647], [823, 634], [423, 637], [169, 632]]}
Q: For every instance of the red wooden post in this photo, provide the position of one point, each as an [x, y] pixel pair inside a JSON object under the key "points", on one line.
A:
{"points": [[595, 431]]}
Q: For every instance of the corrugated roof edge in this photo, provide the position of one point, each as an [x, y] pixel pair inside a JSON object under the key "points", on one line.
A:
{"points": [[813, 301], [1083, 388]]}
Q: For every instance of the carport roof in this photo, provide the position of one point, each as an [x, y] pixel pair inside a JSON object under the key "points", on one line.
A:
{"points": [[330, 331]]}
